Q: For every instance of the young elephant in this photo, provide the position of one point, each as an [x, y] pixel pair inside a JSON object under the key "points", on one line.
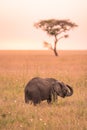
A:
{"points": [[39, 89]]}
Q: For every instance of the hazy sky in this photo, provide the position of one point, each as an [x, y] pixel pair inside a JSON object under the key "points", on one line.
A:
{"points": [[18, 16]]}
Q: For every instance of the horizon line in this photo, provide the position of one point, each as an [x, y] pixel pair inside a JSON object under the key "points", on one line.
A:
{"points": [[42, 50]]}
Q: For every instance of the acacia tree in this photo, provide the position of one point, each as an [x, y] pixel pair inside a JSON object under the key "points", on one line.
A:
{"points": [[55, 28]]}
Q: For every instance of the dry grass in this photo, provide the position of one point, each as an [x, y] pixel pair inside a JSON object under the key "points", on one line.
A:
{"points": [[18, 67]]}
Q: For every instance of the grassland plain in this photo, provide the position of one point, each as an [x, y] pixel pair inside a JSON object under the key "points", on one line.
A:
{"points": [[18, 67]]}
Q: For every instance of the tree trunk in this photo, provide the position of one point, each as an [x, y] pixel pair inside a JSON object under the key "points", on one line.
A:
{"points": [[55, 43], [55, 52]]}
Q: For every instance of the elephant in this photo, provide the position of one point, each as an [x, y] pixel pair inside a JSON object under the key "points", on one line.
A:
{"points": [[39, 89]]}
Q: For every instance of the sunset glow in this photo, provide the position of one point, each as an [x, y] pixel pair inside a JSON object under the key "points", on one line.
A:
{"points": [[17, 18]]}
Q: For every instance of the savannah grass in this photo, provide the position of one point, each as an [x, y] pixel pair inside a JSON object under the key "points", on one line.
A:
{"points": [[17, 68]]}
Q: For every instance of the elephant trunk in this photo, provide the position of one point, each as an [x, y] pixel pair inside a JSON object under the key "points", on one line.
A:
{"points": [[70, 91]]}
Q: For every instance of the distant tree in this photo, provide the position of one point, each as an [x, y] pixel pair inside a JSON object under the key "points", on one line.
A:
{"points": [[55, 28]]}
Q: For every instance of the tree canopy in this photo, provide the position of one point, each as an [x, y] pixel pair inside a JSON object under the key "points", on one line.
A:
{"points": [[54, 28]]}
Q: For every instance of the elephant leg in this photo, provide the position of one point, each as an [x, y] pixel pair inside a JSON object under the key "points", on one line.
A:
{"points": [[54, 97], [26, 98], [36, 100], [49, 99]]}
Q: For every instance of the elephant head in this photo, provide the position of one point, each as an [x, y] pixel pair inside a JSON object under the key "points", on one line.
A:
{"points": [[61, 89]]}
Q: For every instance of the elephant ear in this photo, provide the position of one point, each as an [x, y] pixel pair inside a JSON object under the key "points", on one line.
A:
{"points": [[62, 85], [64, 88], [56, 87]]}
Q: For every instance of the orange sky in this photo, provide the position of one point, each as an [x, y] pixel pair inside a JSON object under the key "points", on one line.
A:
{"points": [[18, 16]]}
